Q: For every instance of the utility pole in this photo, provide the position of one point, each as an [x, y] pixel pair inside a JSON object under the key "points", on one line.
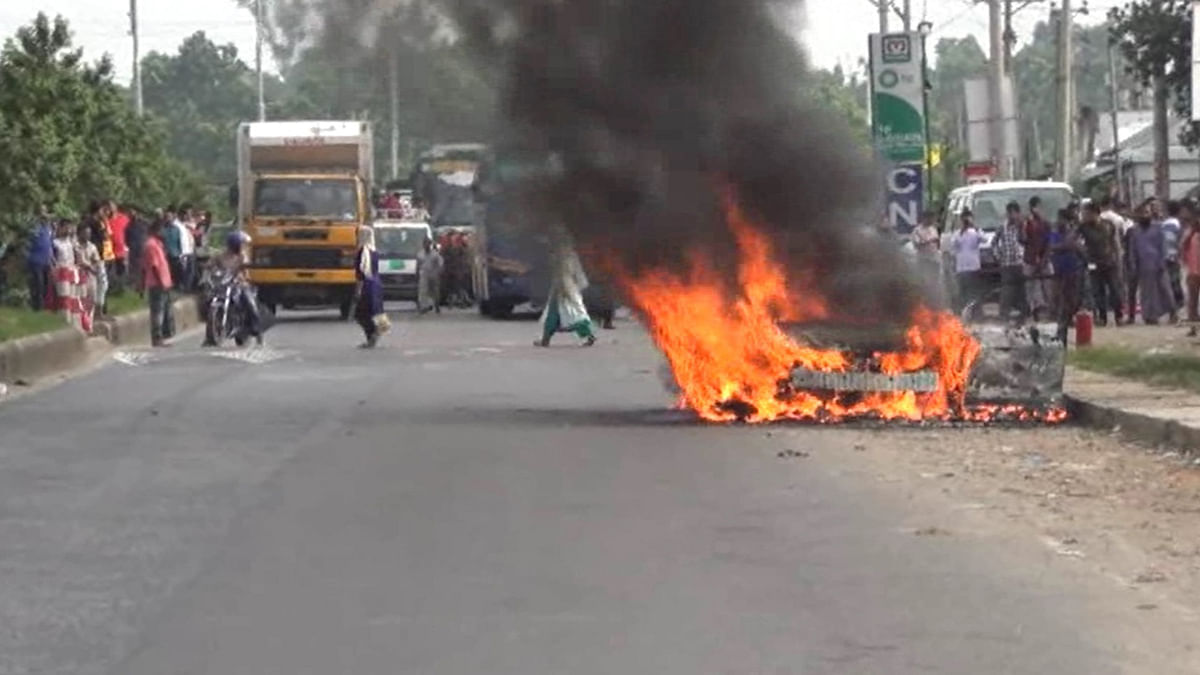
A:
{"points": [[907, 16], [1065, 81], [997, 138], [1010, 36], [138, 104], [394, 86], [882, 6], [1115, 105], [258, 59]]}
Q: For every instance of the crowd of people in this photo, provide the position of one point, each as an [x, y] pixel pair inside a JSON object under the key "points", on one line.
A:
{"points": [[1097, 255], [74, 264]]}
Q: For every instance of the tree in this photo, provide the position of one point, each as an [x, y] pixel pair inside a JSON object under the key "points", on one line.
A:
{"points": [[68, 134], [845, 96], [1155, 37], [336, 59], [201, 93]]}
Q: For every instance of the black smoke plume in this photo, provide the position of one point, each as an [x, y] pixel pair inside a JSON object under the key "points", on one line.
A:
{"points": [[659, 107]]}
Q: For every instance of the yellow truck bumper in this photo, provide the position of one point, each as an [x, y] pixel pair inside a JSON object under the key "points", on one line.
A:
{"points": [[269, 277]]}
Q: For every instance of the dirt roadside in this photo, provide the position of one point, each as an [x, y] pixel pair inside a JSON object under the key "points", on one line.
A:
{"points": [[1121, 518]]}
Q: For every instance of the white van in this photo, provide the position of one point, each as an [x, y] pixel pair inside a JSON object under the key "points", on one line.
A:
{"points": [[987, 202]]}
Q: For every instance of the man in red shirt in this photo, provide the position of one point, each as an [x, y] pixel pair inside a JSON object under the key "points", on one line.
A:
{"points": [[156, 280], [1036, 241]]}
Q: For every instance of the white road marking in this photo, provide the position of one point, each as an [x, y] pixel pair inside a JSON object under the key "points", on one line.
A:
{"points": [[134, 359]]}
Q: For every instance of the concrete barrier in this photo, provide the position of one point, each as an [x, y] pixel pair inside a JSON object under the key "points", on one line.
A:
{"points": [[39, 356], [134, 328], [36, 356]]}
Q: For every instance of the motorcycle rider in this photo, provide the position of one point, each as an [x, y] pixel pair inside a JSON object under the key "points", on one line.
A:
{"points": [[233, 261]]}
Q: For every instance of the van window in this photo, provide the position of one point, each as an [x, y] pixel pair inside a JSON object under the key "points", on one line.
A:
{"points": [[950, 217], [989, 205]]}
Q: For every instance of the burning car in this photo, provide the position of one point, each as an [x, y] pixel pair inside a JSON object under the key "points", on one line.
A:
{"points": [[774, 352]]}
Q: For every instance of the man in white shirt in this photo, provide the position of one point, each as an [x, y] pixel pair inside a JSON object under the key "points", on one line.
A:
{"points": [[1110, 213], [967, 265], [186, 224]]}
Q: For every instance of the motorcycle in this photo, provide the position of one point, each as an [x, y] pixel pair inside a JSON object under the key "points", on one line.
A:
{"points": [[225, 318]]}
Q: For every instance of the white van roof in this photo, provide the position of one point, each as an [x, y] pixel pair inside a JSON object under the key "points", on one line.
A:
{"points": [[1012, 185]]}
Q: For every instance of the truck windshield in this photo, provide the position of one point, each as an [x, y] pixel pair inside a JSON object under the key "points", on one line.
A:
{"points": [[399, 242], [306, 198]]}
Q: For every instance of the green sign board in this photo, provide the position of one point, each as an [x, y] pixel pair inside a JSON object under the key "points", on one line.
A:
{"points": [[898, 96]]}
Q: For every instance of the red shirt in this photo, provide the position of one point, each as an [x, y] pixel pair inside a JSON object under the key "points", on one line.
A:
{"points": [[117, 226], [1036, 240], [155, 273], [1191, 253]]}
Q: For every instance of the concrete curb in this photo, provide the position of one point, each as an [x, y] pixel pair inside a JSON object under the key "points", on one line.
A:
{"points": [[40, 356], [35, 356], [1156, 417]]}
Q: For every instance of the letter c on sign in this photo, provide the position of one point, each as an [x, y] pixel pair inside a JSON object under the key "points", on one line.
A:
{"points": [[902, 181]]}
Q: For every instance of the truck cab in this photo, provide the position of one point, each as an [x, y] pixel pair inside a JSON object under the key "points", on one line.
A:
{"points": [[303, 192]]}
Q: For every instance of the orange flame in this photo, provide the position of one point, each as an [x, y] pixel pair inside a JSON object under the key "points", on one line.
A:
{"points": [[731, 359]]}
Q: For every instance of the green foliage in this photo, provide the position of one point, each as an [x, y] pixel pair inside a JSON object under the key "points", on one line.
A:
{"points": [[201, 93], [1155, 37], [845, 96], [18, 322], [68, 134]]}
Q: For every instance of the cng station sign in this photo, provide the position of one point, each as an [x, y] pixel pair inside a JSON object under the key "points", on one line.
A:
{"points": [[898, 123]]}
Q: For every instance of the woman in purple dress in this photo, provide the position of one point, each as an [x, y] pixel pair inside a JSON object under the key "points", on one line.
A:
{"points": [[369, 291]]}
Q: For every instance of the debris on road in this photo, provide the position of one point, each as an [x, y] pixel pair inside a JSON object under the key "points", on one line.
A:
{"points": [[792, 454]]}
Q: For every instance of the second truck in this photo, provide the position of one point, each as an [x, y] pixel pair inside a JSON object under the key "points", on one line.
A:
{"points": [[304, 189]]}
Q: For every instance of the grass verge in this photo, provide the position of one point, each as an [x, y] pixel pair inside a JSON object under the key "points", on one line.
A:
{"points": [[124, 303], [19, 322], [1180, 371]]}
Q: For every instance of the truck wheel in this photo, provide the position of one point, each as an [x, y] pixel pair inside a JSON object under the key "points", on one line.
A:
{"points": [[271, 307], [345, 308], [502, 311], [485, 308]]}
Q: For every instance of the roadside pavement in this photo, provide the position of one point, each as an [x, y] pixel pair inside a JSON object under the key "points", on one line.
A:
{"points": [[1151, 415]]}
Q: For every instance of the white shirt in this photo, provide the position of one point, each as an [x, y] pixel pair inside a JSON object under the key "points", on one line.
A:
{"points": [[925, 238], [966, 250], [187, 240]]}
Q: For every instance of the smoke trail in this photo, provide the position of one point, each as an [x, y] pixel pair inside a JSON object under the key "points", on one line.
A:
{"points": [[655, 106]]}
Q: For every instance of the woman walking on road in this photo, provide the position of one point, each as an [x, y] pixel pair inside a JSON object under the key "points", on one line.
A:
{"points": [[369, 292], [565, 310]]}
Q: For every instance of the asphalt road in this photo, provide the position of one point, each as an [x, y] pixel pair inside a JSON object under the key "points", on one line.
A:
{"points": [[460, 502]]}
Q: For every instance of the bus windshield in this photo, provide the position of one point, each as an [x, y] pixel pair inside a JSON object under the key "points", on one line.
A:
{"points": [[989, 205], [306, 198]]}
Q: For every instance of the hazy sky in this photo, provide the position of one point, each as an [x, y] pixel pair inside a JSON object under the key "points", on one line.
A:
{"points": [[835, 31]]}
